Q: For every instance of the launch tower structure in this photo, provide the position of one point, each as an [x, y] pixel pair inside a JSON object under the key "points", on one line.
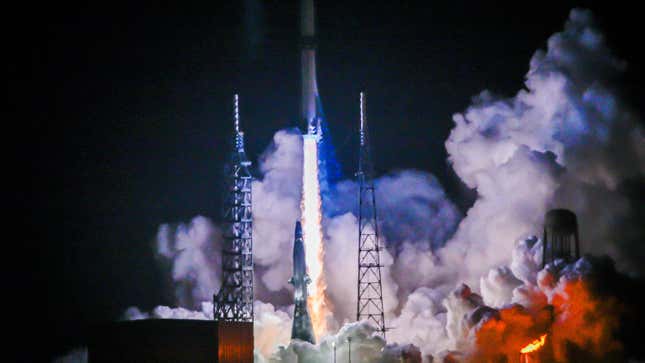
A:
{"points": [[234, 301], [369, 304]]}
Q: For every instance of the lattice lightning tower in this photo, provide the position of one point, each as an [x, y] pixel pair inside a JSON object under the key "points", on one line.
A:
{"points": [[369, 305], [234, 301]]}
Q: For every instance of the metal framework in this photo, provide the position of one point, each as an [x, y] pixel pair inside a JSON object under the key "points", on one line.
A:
{"points": [[234, 301], [369, 304]]}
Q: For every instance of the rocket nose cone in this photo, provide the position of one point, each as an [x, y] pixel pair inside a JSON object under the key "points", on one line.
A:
{"points": [[298, 232]]}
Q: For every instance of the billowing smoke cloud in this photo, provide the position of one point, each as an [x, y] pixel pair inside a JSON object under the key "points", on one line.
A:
{"points": [[357, 339], [194, 253], [193, 250], [456, 289], [411, 199], [276, 207], [564, 302], [166, 312], [567, 140], [411, 205]]}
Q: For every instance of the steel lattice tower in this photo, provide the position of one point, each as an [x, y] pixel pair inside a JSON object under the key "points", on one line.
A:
{"points": [[369, 305], [234, 301]]}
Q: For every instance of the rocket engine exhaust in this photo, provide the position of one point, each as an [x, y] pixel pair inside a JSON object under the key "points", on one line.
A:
{"points": [[312, 232], [311, 204]]}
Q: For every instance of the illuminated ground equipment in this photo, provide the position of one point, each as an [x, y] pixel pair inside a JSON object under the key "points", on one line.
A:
{"points": [[369, 304], [170, 340]]}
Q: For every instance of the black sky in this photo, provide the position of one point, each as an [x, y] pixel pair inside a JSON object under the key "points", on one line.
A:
{"points": [[124, 114]]}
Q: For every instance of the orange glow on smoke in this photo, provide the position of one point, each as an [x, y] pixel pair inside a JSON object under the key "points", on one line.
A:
{"points": [[312, 235], [534, 345], [318, 308]]}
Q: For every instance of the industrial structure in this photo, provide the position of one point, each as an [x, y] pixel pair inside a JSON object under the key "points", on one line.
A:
{"points": [[560, 239], [171, 340], [234, 301], [369, 303], [301, 328]]}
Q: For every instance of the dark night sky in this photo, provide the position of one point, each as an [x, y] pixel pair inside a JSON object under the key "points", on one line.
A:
{"points": [[125, 113]]}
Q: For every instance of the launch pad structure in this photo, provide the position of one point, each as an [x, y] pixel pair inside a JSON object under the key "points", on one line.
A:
{"points": [[171, 340], [369, 302], [234, 301]]}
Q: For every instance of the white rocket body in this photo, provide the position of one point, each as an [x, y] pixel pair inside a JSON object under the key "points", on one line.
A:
{"points": [[309, 87]]}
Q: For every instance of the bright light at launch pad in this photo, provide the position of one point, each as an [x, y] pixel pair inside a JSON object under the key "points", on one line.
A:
{"points": [[312, 232]]}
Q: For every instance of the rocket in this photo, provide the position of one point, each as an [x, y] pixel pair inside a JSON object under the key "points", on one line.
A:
{"points": [[302, 328], [310, 101]]}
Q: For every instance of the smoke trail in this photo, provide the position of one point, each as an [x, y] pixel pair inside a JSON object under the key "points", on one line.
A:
{"points": [[567, 140]]}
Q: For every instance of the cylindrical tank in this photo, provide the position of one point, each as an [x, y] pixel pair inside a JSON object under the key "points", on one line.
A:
{"points": [[560, 239]]}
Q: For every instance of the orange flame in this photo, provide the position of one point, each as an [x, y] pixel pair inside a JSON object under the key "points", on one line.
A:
{"points": [[534, 345], [313, 238], [319, 309], [317, 301]]}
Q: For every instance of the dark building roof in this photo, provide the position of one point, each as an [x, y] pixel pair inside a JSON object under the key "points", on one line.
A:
{"points": [[169, 340]]}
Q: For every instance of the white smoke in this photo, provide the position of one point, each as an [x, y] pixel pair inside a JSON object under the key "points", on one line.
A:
{"points": [[412, 207], [353, 342], [422, 321], [166, 312], [194, 252], [567, 140], [340, 268], [276, 208], [272, 328], [276, 199]]}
